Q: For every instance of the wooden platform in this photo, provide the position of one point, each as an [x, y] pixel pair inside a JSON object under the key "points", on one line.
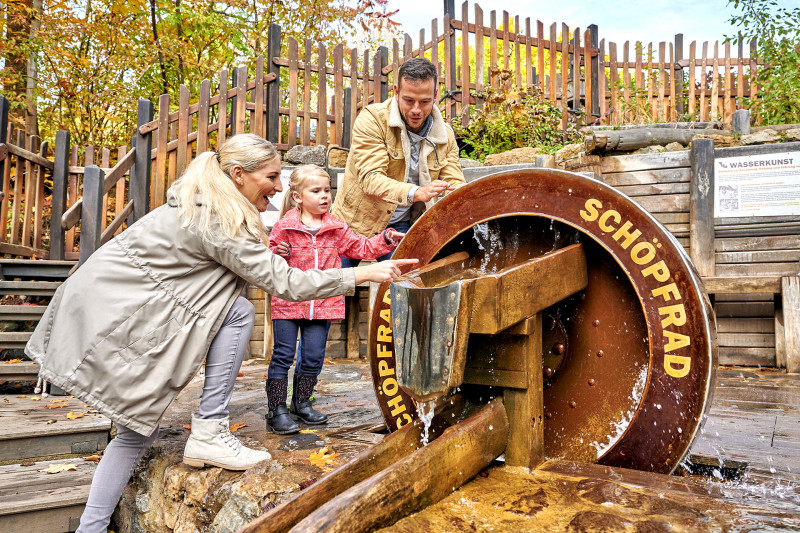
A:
{"points": [[32, 500], [40, 428]]}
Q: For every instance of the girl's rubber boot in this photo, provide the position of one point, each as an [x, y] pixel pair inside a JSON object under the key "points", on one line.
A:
{"points": [[301, 400], [279, 420]]}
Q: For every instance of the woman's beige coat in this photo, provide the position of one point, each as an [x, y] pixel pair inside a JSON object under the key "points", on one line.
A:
{"points": [[128, 330]]}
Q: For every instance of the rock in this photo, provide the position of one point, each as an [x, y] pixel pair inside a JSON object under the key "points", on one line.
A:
{"points": [[674, 147], [305, 155], [249, 496], [761, 137], [653, 149], [569, 151], [337, 158], [469, 163], [792, 134], [525, 154], [720, 141]]}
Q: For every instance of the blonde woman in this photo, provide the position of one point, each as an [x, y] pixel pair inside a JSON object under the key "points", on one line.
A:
{"points": [[132, 326]]}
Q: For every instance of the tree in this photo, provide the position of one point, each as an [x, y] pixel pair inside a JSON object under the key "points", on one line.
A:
{"points": [[777, 30]]}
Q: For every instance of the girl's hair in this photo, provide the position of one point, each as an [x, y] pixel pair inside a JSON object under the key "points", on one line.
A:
{"points": [[297, 181], [209, 176]]}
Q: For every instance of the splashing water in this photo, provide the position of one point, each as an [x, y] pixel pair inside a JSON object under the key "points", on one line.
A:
{"points": [[425, 412], [625, 417]]}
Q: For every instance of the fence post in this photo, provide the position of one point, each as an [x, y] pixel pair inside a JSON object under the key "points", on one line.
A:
{"points": [[140, 173], [383, 54], [701, 210], [234, 100], [92, 212], [3, 137], [595, 80], [60, 181], [346, 126], [741, 122], [677, 76], [273, 102], [450, 35]]}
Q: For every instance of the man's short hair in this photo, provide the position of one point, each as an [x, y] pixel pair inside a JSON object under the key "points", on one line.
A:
{"points": [[417, 69]]}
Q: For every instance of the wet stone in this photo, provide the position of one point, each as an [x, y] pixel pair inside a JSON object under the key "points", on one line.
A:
{"points": [[595, 522]]}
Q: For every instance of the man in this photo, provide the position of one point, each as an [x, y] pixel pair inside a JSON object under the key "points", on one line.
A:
{"points": [[402, 156]]}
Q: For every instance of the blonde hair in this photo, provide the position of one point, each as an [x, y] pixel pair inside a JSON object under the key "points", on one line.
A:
{"points": [[209, 176], [297, 181]]}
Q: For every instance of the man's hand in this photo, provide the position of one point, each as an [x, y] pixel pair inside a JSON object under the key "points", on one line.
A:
{"points": [[382, 271], [283, 249], [429, 192]]}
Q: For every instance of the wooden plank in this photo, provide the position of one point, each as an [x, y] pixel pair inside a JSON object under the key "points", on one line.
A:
{"points": [[540, 56], [777, 256], [293, 87], [305, 130], [517, 69], [365, 85], [119, 193], [740, 75], [158, 190], [259, 123], [6, 198], [727, 110], [740, 244], [322, 96], [613, 80], [650, 81], [587, 76], [222, 108], [338, 93], [506, 58], [19, 180], [672, 218], [553, 41], [601, 74], [692, 83], [673, 84], [479, 66], [354, 93], [790, 287], [633, 163], [626, 88], [183, 153], [576, 71], [780, 337], [172, 160], [465, 74], [564, 73], [639, 74], [104, 163], [662, 83], [240, 102], [664, 203], [203, 114], [747, 356], [746, 340], [745, 309], [645, 177], [30, 195], [435, 50], [703, 83], [774, 269], [528, 56], [654, 188], [702, 207], [750, 284], [748, 325], [715, 83], [449, 64]]}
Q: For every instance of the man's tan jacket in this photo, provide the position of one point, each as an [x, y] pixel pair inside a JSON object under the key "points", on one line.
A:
{"points": [[374, 178]]}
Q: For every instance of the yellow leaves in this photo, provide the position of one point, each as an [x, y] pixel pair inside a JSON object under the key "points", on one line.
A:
{"points": [[52, 405], [36, 399], [72, 415], [59, 467], [322, 458], [22, 396], [307, 431], [12, 361], [237, 426], [92, 458]]}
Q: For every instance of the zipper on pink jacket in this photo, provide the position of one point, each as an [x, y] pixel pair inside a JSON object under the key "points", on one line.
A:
{"points": [[316, 265]]}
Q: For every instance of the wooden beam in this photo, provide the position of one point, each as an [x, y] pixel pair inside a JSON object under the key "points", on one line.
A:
{"points": [[742, 285], [701, 211], [790, 287]]}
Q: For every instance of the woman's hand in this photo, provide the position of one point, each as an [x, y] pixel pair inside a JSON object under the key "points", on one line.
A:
{"points": [[283, 249], [394, 236], [382, 271]]}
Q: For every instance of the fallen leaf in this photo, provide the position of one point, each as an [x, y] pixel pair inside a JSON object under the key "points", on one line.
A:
{"points": [[23, 396], [240, 375], [307, 431], [59, 467], [53, 406], [27, 463], [6, 400], [72, 416], [62, 400], [322, 458], [52, 421], [237, 426], [37, 399], [12, 361], [187, 427], [93, 458]]}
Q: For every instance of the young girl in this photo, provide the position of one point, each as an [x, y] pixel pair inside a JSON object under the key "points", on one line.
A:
{"points": [[307, 236]]}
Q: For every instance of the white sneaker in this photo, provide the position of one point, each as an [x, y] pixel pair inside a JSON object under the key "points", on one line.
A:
{"points": [[212, 443]]}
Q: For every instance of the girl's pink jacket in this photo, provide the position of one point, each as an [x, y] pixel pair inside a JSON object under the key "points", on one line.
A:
{"points": [[320, 251]]}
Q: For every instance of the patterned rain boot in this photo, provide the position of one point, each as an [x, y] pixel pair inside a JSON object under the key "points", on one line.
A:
{"points": [[278, 419], [301, 400]]}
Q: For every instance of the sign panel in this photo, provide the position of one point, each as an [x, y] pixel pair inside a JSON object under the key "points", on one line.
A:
{"points": [[761, 185]]}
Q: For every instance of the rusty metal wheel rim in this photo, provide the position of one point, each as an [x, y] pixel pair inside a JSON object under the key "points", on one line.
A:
{"points": [[671, 408]]}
